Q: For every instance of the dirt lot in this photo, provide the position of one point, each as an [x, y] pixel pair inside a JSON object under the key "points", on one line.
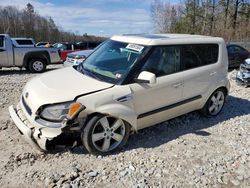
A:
{"points": [[189, 151]]}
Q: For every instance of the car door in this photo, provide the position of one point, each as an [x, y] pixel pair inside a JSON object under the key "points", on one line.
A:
{"points": [[4, 61], [154, 103], [200, 69]]}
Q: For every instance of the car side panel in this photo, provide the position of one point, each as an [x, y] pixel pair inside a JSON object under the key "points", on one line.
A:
{"points": [[115, 101], [205, 80], [6, 53], [20, 53]]}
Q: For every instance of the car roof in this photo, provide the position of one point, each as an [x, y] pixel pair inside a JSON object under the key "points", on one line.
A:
{"points": [[161, 39], [22, 39], [232, 44]]}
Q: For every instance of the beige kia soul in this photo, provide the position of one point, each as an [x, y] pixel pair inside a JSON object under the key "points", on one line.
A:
{"points": [[128, 83]]}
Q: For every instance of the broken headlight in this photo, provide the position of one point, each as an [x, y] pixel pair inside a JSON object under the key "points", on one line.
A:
{"points": [[59, 112]]}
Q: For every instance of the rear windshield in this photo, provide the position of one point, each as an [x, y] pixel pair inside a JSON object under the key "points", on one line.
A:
{"points": [[25, 42], [1, 41]]}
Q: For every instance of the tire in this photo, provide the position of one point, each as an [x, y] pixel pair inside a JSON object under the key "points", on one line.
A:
{"points": [[214, 104], [104, 134], [37, 65]]}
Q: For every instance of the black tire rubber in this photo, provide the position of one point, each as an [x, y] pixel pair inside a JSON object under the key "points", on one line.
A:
{"points": [[32, 61], [205, 109], [87, 139]]}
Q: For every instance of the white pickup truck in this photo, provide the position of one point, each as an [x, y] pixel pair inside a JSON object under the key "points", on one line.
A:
{"points": [[35, 59]]}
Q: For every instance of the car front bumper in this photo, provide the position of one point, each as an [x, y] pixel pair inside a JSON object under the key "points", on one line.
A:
{"points": [[243, 78], [36, 134], [23, 126]]}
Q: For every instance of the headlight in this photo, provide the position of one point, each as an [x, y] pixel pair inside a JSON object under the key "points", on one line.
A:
{"points": [[80, 57], [61, 111], [78, 61]]}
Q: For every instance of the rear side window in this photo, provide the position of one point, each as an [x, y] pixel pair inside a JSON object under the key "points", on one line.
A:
{"points": [[1, 41], [24, 42], [196, 55]]}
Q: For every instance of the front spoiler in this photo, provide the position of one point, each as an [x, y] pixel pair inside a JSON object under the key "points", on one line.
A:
{"points": [[26, 131]]}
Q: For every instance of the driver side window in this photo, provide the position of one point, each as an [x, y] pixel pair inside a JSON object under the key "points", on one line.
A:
{"points": [[164, 60]]}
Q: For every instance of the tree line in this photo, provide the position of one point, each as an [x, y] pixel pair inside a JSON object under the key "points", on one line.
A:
{"points": [[28, 23], [229, 19]]}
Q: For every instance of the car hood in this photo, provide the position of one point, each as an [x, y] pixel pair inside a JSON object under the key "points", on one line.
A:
{"points": [[59, 86], [82, 52]]}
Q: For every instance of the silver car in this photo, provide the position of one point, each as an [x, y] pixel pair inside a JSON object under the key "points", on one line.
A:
{"points": [[75, 58], [243, 75]]}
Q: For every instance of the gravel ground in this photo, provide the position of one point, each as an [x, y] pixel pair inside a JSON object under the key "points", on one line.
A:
{"points": [[189, 151]]}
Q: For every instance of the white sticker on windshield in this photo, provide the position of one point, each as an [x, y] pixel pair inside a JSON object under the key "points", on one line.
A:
{"points": [[135, 47]]}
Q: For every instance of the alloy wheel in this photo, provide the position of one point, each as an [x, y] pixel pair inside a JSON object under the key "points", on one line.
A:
{"points": [[216, 102], [108, 133]]}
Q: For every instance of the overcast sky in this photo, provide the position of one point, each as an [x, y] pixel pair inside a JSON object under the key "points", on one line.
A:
{"points": [[98, 17]]}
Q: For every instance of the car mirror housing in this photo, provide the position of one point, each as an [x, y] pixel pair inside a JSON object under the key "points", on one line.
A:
{"points": [[146, 77]]}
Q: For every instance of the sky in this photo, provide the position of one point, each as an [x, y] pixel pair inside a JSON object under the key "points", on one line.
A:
{"points": [[94, 17]]}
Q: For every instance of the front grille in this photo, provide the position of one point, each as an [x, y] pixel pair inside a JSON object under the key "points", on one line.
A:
{"points": [[70, 60], [27, 108]]}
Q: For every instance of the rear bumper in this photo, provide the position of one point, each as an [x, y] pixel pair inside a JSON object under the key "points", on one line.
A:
{"points": [[24, 129]]}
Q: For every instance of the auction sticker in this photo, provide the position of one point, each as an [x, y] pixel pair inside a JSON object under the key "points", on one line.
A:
{"points": [[135, 47]]}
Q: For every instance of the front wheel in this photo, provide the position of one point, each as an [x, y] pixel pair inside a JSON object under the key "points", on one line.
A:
{"points": [[214, 104], [37, 65], [104, 134]]}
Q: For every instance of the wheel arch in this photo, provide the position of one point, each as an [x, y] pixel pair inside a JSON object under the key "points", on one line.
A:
{"points": [[223, 87], [44, 55], [116, 110]]}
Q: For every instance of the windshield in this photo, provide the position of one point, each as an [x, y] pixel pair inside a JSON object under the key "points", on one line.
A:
{"points": [[112, 61]]}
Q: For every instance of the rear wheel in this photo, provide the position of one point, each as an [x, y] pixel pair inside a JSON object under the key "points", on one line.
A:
{"points": [[215, 103], [37, 65], [104, 134]]}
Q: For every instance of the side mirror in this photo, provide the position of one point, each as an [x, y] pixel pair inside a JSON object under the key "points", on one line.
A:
{"points": [[146, 77]]}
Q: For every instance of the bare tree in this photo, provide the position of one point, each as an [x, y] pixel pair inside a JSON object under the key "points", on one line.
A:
{"points": [[229, 19]]}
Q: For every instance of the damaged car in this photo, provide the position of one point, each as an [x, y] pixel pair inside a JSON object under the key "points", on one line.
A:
{"points": [[243, 75], [129, 83]]}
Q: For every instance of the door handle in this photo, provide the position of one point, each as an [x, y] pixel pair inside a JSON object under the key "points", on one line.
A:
{"points": [[177, 85], [212, 73]]}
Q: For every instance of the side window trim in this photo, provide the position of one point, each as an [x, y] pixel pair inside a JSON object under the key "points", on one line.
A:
{"points": [[2, 41]]}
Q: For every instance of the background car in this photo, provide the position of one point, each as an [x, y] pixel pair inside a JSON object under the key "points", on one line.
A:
{"points": [[66, 48], [236, 55], [243, 75], [88, 45], [43, 44], [75, 58], [34, 59]]}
